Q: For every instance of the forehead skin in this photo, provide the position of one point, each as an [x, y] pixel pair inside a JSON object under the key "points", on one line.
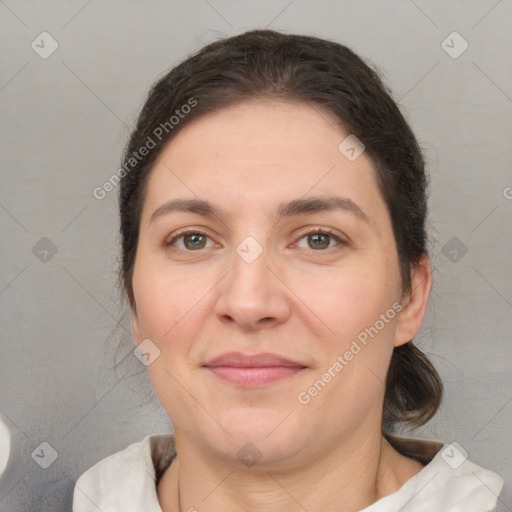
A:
{"points": [[251, 157]]}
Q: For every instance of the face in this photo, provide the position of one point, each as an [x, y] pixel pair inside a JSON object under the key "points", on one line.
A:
{"points": [[258, 236]]}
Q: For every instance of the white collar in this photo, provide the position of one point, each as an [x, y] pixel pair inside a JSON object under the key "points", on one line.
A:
{"points": [[126, 481]]}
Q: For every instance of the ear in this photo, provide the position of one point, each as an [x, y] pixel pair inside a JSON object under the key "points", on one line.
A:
{"points": [[414, 303]]}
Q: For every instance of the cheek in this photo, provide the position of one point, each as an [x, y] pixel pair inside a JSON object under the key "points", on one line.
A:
{"points": [[152, 298], [349, 298], [168, 299], [355, 310], [168, 304], [163, 293]]}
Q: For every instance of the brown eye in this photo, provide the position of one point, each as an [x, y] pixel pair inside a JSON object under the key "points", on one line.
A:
{"points": [[190, 241], [193, 241], [319, 240]]}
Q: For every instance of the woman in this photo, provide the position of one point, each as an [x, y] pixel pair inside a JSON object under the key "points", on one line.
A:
{"points": [[273, 205]]}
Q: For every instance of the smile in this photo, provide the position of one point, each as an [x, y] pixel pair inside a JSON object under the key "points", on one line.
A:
{"points": [[253, 370]]}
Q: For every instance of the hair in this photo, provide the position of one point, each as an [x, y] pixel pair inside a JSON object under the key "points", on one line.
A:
{"points": [[268, 65]]}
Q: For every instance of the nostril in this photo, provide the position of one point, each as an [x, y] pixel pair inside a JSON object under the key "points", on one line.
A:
{"points": [[227, 318]]}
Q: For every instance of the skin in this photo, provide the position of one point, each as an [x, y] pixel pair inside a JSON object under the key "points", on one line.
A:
{"points": [[304, 303]]}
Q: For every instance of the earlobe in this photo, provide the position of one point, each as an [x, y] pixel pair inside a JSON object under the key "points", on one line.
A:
{"points": [[415, 303]]}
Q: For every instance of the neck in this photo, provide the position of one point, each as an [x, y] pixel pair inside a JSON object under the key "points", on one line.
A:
{"points": [[346, 479]]}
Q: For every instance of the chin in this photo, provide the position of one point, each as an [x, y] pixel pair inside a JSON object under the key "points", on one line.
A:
{"points": [[257, 435]]}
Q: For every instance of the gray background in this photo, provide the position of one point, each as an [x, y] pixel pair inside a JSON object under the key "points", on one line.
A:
{"points": [[64, 122]]}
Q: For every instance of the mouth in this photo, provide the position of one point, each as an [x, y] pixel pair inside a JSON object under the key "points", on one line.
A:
{"points": [[253, 370]]}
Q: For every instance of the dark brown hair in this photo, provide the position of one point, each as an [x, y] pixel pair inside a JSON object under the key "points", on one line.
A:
{"points": [[264, 64]]}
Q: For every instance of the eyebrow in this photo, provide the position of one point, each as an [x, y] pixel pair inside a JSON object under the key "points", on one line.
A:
{"points": [[285, 210]]}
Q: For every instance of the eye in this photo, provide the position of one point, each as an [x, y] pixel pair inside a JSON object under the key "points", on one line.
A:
{"points": [[190, 241], [320, 240]]}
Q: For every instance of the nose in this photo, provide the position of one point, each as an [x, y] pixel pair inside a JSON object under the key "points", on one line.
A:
{"points": [[253, 296]]}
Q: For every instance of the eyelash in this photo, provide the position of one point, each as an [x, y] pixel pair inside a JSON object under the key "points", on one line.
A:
{"points": [[323, 231]]}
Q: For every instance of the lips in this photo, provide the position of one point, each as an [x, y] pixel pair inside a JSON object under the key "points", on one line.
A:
{"points": [[240, 360], [253, 370]]}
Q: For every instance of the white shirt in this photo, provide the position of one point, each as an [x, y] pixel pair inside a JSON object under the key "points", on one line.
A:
{"points": [[125, 482]]}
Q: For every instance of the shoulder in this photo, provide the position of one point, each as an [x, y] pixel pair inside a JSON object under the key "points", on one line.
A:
{"points": [[448, 481], [125, 480]]}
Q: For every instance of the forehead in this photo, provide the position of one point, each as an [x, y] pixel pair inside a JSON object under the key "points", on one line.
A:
{"points": [[254, 155]]}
